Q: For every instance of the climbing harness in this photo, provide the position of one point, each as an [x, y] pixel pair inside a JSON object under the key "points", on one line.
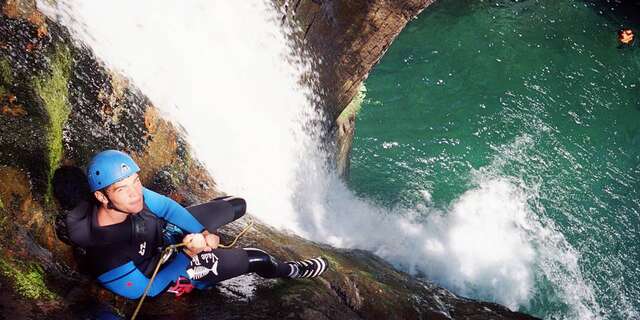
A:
{"points": [[183, 285], [166, 254]]}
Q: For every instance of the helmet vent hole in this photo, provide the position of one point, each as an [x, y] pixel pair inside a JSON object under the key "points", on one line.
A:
{"points": [[97, 173]]}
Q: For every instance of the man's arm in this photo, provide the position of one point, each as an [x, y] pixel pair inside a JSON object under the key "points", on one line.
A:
{"points": [[166, 208]]}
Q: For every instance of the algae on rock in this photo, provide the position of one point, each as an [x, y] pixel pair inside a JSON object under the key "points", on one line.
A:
{"points": [[5, 71], [345, 129], [27, 283], [6, 77], [352, 109], [54, 91]]}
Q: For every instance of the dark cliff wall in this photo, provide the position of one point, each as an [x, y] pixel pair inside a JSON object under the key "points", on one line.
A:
{"points": [[345, 39]]}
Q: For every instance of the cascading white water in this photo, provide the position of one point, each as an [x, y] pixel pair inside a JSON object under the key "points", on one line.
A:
{"points": [[219, 69]]}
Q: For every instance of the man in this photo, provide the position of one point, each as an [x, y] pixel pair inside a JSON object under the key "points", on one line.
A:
{"points": [[124, 229]]}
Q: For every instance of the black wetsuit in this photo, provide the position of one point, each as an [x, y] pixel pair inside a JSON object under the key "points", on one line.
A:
{"points": [[122, 256]]}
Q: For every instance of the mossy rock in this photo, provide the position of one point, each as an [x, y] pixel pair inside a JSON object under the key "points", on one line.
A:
{"points": [[6, 75], [28, 280], [53, 88]]}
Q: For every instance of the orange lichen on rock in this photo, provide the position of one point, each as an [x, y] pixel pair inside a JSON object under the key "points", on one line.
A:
{"points": [[50, 241], [161, 153], [161, 150], [42, 31], [15, 9], [15, 193], [12, 183], [29, 47], [11, 9], [176, 196], [36, 18], [10, 107], [13, 111], [26, 9]]}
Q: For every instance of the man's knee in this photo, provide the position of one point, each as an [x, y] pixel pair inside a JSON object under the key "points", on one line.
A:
{"points": [[238, 204], [261, 263], [219, 211]]}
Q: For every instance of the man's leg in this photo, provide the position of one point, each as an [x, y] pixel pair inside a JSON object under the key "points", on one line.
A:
{"points": [[267, 266], [218, 265], [222, 264], [218, 212]]}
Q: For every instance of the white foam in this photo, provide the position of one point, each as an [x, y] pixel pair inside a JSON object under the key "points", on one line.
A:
{"points": [[479, 247]]}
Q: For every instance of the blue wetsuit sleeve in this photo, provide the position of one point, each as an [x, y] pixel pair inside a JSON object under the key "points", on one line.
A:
{"points": [[167, 209], [129, 282]]}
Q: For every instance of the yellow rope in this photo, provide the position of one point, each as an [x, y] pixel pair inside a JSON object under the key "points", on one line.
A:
{"points": [[249, 225], [166, 250], [169, 250]]}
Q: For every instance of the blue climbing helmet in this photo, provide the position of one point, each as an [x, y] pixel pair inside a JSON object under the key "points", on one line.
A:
{"points": [[109, 167]]}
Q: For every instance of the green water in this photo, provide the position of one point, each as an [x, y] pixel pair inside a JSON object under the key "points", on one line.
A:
{"points": [[533, 91]]}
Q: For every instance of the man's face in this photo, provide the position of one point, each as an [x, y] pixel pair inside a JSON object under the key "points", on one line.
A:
{"points": [[126, 195]]}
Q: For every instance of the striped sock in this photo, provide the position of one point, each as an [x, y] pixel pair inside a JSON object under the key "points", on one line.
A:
{"points": [[309, 268]]}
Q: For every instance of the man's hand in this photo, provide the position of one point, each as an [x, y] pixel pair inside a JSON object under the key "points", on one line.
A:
{"points": [[212, 240], [195, 243]]}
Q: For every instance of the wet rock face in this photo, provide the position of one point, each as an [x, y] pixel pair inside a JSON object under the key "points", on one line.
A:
{"points": [[346, 39], [59, 105], [22, 117]]}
